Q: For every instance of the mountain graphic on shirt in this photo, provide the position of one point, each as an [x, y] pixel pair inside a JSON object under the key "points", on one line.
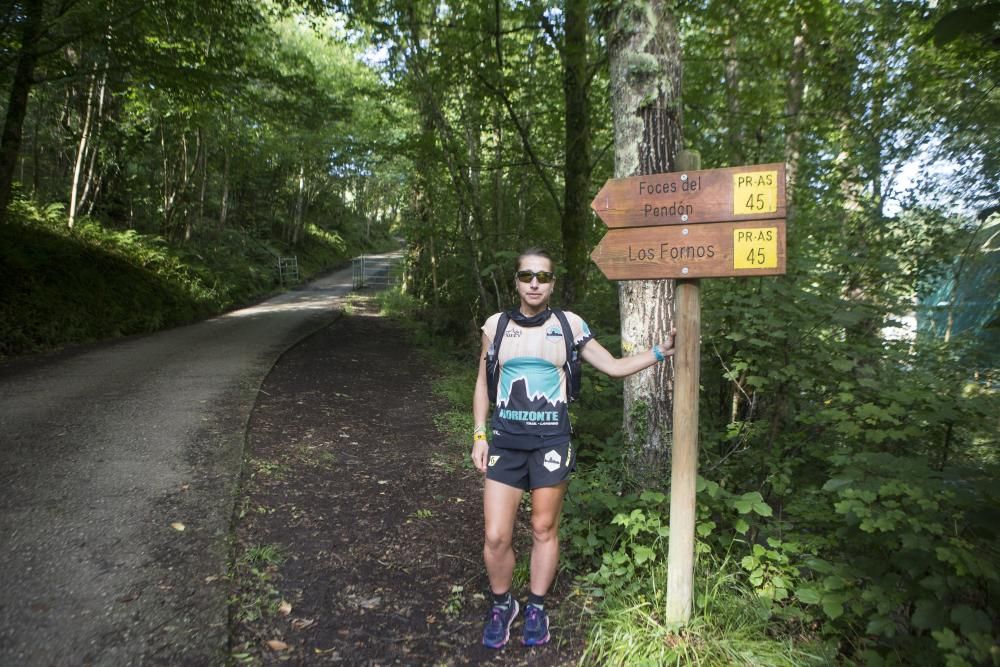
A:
{"points": [[529, 383]]}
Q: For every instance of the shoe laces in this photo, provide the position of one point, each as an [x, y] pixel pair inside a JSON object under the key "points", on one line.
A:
{"points": [[532, 615], [496, 614]]}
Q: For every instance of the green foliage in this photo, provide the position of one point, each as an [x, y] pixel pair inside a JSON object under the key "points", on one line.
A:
{"points": [[909, 556], [60, 286], [628, 546]]}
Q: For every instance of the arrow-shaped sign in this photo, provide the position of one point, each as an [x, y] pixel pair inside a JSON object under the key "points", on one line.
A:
{"points": [[754, 192], [714, 250]]}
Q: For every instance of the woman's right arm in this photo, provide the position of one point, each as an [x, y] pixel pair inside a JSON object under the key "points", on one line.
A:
{"points": [[480, 409]]}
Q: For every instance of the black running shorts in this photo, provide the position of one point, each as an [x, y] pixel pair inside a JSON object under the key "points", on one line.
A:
{"points": [[531, 469]]}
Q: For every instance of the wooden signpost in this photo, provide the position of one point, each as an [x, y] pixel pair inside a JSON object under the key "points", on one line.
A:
{"points": [[687, 225], [710, 250], [687, 197]]}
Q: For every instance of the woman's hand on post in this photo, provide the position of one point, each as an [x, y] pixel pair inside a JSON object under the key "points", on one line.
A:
{"points": [[667, 347]]}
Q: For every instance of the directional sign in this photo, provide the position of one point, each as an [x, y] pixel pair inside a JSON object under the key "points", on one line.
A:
{"points": [[754, 192], [713, 250]]}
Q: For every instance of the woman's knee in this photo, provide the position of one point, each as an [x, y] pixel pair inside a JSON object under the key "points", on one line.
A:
{"points": [[544, 528], [497, 539]]}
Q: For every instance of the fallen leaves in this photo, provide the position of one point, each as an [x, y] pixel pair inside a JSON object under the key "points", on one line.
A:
{"points": [[277, 645], [302, 623], [285, 608], [371, 603]]}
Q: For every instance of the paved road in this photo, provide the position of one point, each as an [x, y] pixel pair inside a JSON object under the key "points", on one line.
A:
{"points": [[104, 453]]}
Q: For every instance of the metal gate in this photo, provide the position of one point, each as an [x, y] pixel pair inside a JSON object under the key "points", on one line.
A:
{"points": [[377, 271], [288, 270]]}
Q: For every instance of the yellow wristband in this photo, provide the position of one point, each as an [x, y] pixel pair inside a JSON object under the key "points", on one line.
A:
{"points": [[479, 435]]}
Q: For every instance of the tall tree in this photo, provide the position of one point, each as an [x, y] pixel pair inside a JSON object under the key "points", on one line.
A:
{"points": [[576, 215], [30, 19], [645, 61]]}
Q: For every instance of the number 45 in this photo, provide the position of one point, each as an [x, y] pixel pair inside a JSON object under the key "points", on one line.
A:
{"points": [[755, 202], [756, 256]]}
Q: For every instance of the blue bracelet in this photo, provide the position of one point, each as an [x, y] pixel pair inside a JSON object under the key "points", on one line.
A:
{"points": [[656, 353]]}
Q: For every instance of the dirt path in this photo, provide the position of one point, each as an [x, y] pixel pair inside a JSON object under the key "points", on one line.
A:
{"points": [[359, 514]]}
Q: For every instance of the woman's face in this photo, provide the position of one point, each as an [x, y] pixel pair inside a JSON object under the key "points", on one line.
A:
{"points": [[534, 295]]}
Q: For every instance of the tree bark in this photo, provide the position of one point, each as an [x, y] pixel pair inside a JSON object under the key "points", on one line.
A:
{"points": [[17, 105], [92, 182], [793, 109], [734, 131], [300, 204], [203, 168], [645, 63], [576, 215], [81, 149], [224, 206]]}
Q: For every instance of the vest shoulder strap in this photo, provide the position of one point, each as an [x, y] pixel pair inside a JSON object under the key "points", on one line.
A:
{"points": [[567, 332], [501, 328]]}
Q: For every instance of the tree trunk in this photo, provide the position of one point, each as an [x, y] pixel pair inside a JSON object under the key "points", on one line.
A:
{"points": [[81, 149], [204, 176], [167, 190], [499, 183], [793, 108], [300, 204], [424, 207], [576, 206], [91, 184], [224, 206], [36, 157], [645, 64], [17, 105], [188, 177], [734, 132]]}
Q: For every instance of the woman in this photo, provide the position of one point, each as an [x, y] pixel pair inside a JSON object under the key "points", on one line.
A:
{"points": [[531, 448]]}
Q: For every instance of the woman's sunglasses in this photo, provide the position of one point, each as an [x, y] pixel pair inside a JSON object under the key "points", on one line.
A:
{"points": [[543, 276]]}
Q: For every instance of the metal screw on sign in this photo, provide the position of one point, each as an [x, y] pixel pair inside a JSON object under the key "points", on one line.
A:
{"points": [[684, 177]]}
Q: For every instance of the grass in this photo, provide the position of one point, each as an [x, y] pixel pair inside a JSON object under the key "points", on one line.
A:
{"points": [[731, 627], [263, 555], [256, 594], [270, 469]]}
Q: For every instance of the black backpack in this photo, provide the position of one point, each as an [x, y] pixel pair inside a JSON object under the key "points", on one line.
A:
{"points": [[573, 367]]}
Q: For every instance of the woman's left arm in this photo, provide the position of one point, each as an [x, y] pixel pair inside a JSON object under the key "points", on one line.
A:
{"points": [[598, 357]]}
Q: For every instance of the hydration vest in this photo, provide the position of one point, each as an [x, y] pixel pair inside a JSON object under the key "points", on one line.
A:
{"points": [[573, 366]]}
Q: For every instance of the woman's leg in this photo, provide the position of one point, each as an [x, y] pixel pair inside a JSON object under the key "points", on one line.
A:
{"points": [[500, 503], [546, 508]]}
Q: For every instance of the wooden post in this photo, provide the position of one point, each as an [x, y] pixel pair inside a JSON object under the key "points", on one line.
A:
{"points": [[684, 456]]}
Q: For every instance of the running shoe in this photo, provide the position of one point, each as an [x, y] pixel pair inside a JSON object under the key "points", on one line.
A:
{"points": [[496, 633], [536, 626]]}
